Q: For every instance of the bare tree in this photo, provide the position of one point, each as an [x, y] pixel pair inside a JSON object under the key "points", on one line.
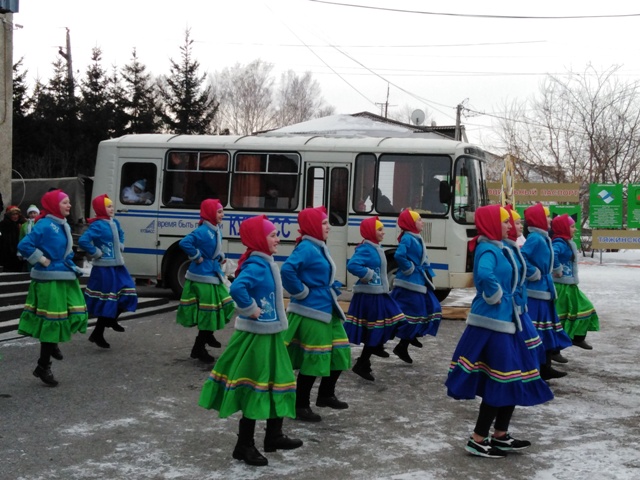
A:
{"points": [[404, 114], [298, 99], [246, 97]]}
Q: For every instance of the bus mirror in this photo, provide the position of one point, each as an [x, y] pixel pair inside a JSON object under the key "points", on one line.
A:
{"points": [[445, 192]]}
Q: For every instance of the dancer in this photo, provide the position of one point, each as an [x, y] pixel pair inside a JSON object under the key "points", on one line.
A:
{"points": [[205, 300], [373, 315], [528, 334], [254, 373], [316, 339], [413, 287], [110, 290], [55, 308], [576, 312], [538, 254], [491, 361]]}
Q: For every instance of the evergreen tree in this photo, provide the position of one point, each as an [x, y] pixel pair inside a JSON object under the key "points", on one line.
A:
{"points": [[189, 108], [96, 111], [22, 124], [118, 101], [141, 98]]}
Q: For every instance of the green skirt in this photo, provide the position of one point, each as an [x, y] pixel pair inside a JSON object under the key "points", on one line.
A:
{"points": [[316, 347], [53, 311], [206, 305], [575, 310], [253, 375]]}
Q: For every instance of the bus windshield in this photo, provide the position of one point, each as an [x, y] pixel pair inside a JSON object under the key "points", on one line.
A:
{"points": [[469, 192]]}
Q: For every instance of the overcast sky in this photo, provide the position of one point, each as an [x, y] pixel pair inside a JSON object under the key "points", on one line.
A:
{"points": [[436, 59]]}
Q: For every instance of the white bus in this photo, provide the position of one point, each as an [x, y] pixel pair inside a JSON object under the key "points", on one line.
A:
{"points": [[354, 177]]}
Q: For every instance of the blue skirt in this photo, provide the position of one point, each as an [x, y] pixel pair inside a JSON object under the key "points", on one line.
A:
{"points": [[529, 335], [497, 367], [545, 319], [372, 319], [110, 290], [422, 312]]}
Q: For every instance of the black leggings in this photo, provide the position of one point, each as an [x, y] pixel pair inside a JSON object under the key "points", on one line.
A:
{"points": [[489, 413], [46, 349]]}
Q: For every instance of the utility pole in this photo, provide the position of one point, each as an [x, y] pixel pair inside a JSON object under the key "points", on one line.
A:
{"points": [[67, 56], [458, 131], [384, 107], [6, 104]]}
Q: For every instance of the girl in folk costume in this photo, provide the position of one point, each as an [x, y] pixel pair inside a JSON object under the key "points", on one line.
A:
{"points": [[110, 290], [205, 300], [32, 213], [491, 360], [541, 265], [55, 307], [413, 287], [529, 333], [575, 310], [254, 374], [373, 315], [316, 339]]}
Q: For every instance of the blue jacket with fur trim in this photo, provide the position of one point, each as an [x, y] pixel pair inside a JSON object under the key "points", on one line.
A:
{"points": [[414, 269], [541, 263], [50, 238], [567, 254], [495, 278], [206, 242], [309, 276], [104, 243], [259, 285], [369, 264]]}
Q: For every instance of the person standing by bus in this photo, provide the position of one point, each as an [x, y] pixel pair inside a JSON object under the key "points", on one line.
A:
{"points": [[541, 265], [373, 315], [490, 360], [55, 307], [110, 290], [205, 300], [254, 374], [576, 312], [316, 339], [413, 287], [529, 333]]}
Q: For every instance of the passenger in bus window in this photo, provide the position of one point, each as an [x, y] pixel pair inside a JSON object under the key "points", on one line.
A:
{"points": [[254, 374], [110, 290], [137, 194], [383, 204], [271, 196], [55, 307], [205, 302], [413, 286], [373, 316], [316, 339], [491, 361]]}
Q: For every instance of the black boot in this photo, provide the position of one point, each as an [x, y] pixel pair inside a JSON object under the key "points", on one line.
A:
{"points": [[245, 449], [43, 372], [304, 384], [580, 341], [211, 340], [327, 392], [363, 369], [415, 342], [55, 351], [97, 336], [274, 439], [402, 351], [547, 372], [115, 326], [199, 351]]}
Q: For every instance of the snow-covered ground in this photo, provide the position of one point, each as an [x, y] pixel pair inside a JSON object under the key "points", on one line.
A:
{"points": [[132, 412]]}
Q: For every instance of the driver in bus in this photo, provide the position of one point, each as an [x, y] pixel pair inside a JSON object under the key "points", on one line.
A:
{"points": [[137, 193]]}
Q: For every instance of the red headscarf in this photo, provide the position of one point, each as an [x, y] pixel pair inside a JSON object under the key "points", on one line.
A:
{"points": [[310, 221], [535, 216], [488, 223], [209, 210], [560, 226], [99, 205], [253, 235], [513, 234], [51, 204], [368, 229], [407, 222]]}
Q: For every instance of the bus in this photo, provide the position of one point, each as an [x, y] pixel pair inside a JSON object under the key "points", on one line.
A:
{"points": [[354, 177]]}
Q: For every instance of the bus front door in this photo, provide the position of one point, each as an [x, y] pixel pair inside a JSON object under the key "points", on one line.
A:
{"points": [[328, 185]]}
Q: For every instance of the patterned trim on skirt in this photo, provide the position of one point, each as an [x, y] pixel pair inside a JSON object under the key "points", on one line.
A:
{"points": [[372, 319], [110, 290], [575, 311], [422, 311], [206, 305], [545, 319]]}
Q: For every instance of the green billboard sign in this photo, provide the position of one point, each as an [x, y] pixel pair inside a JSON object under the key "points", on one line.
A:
{"points": [[605, 205], [633, 206]]}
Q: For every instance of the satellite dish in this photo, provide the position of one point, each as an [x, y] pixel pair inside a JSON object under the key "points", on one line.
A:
{"points": [[417, 117]]}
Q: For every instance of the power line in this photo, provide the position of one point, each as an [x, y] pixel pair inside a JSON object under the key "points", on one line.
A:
{"points": [[447, 45], [473, 15]]}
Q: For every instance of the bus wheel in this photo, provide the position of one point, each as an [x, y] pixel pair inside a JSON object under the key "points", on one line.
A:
{"points": [[442, 293], [176, 271]]}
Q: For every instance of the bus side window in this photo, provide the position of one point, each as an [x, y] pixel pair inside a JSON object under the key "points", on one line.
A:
{"points": [[138, 183], [364, 177]]}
